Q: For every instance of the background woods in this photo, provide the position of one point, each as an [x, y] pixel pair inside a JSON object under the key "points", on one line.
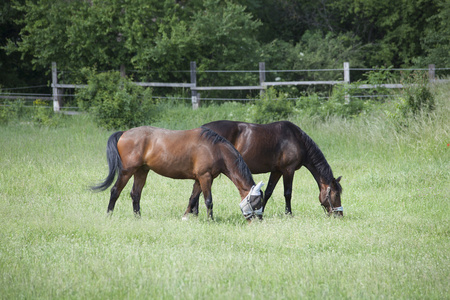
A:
{"points": [[154, 38]]}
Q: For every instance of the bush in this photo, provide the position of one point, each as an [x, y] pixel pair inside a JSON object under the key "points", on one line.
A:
{"points": [[13, 111], [272, 106], [417, 94], [116, 102], [340, 103]]}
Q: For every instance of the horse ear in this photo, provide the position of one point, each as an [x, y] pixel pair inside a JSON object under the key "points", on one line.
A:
{"points": [[338, 179]]}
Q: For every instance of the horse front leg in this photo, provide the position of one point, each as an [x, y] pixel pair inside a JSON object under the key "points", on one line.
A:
{"points": [[287, 182], [193, 201], [273, 180], [139, 181]]}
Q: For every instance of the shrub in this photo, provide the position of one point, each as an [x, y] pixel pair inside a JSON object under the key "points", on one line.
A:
{"points": [[43, 114], [116, 102], [417, 94], [13, 110], [272, 106]]}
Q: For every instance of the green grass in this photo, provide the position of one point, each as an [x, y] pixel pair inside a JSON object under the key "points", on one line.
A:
{"points": [[56, 241]]}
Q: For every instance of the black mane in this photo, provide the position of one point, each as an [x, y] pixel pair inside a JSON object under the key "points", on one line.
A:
{"points": [[317, 158], [215, 138]]}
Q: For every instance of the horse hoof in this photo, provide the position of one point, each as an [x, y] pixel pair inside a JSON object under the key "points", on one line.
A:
{"points": [[185, 218]]}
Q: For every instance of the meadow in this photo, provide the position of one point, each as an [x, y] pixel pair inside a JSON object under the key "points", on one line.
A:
{"points": [[57, 243]]}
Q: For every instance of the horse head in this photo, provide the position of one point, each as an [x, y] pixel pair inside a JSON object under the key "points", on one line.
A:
{"points": [[252, 204], [330, 198]]}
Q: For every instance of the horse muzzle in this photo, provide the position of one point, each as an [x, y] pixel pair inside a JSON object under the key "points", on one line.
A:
{"points": [[337, 211], [252, 204]]}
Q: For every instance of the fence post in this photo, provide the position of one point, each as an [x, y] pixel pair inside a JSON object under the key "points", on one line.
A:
{"points": [[56, 106], [431, 72], [347, 72], [262, 76], [195, 102], [347, 80], [122, 71]]}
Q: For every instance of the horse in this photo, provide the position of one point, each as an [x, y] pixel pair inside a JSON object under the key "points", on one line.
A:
{"points": [[199, 154], [281, 148]]}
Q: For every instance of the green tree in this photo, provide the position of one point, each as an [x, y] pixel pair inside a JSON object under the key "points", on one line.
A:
{"points": [[142, 34], [16, 72], [85, 33], [218, 36], [436, 39], [390, 30]]}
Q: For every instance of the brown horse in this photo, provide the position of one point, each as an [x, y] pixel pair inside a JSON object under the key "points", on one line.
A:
{"points": [[281, 148], [199, 154]]}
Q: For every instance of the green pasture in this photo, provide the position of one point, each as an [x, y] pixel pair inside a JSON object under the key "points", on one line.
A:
{"points": [[56, 241]]}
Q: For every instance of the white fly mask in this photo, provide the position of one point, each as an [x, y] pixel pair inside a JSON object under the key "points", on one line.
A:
{"points": [[251, 205]]}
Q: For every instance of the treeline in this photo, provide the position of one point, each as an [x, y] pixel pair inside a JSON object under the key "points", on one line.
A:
{"points": [[152, 39]]}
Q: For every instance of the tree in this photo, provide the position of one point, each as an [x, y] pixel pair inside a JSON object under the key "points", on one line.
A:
{"points": [[390, 30], [85, 33], [436, 39], [15, 72]]}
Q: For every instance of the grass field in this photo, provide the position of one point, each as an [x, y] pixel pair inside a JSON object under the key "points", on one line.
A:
{"points": [[56, 241]]}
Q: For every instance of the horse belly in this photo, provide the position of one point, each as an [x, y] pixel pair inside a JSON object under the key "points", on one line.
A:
{"points": [[175, 167], [270, 159], [259, 163]]}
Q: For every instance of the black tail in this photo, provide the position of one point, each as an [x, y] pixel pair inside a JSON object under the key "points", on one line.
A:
{"points": [[114, 161]]}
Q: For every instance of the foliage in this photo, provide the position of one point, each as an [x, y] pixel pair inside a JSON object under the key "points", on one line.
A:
{"points": [[390, 30], [416, 95], [315, 51], [436, 37], [116, 102], [12, 110], [43, 114], [341, 103], [347, 100], [156, 40], [272, 106], [84, 33]]}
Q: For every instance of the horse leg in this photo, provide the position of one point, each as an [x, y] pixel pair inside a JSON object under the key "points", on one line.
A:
{"points": [[205, 183], [273, 180], [193, 201], [121, 182], [139, 181], [288, 177]]}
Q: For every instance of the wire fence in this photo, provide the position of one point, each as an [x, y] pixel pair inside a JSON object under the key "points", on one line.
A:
{"points": [[65, 94]]}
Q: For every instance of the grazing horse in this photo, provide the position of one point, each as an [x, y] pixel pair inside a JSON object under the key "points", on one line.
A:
{"points": [[281, 148], [199, 154]]}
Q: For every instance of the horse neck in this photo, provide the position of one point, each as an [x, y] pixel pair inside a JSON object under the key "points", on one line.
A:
{"points": [[322, 182], [238, 172], [321, 172]]}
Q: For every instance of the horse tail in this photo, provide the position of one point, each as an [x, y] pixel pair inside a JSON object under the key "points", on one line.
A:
{"points": [[114, 161]]}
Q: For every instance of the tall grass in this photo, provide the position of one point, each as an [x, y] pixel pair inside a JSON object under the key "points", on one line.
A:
{"points": [[56, 242]]}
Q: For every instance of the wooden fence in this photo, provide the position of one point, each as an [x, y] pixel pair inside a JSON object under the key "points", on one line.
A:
{"points": [[58, 88], [195, 99], [195, 96]]}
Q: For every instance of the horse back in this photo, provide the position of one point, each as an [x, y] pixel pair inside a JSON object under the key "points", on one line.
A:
{"points": [[264, 147], [179, 154]]}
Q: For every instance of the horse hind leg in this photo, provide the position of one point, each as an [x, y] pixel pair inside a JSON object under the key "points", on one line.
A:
{"points": [[121, 182], [206, 183], [140, 176], [193, 201]]}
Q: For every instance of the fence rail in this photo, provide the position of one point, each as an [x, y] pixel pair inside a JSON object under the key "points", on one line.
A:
{"points": [[58, 88]]}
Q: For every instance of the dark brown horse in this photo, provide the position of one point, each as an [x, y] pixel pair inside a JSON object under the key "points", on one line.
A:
{"points": [[281, 148], [199, 154]]}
